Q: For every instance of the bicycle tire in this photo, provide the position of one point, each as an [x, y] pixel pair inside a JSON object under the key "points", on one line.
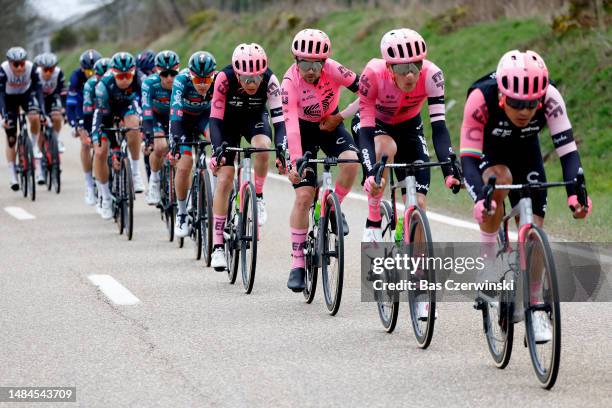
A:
{"points": [[229, 243], [128, 199], [197, 204], [206, 218], [388, 308], [547, 374], [22, 168], [56, 169], [31, 170], [332, 285], [311, 264], [423, 335], [249, 233], [170, 211], [497, 322]]}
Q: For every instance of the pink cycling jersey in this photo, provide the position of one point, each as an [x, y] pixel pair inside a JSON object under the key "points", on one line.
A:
{"points": [[381, 99], [476, 116], [313, 102]]}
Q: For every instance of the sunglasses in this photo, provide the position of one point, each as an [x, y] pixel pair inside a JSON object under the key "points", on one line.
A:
{"points": [[168, 72], [88, 72], [123, 75], [207, 80], [17, 64], [250, 79], [316, 66], [408, 68], [48, 69], [520, 104]]}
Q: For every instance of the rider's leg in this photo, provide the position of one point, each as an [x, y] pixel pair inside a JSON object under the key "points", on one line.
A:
{"points": [[101, 167], [260, 164], [182, 179], [225, 180], [304, 196], [57, 120], [133, 139]]}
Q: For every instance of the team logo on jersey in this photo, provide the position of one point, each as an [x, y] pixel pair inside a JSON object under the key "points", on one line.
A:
{"points": [[325, 102], [314, 111]]}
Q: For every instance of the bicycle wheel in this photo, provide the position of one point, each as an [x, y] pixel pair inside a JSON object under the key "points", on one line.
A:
{"points": [[332, 255], [230, 236], [170, 210], [497, 319], [196, 205], [545, 355], [46, 162], [247, 239], [127, 198], [22, 168], [118, 195], [387, 304], [311, 264], [206, 216], [31, 170], [55, 166], [421, 244]]}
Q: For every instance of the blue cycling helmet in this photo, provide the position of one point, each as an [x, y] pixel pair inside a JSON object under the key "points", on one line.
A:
{"points": [[101, 66], [123, 61], [166, 60], [89, 58], [202, 64], [145, 61]]}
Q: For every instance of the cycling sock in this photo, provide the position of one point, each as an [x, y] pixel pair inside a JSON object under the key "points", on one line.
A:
{"points": [[155, 176], [341, 191], [182, 206], [11, 167], [298, 238], [259, 184], [535, 291], [89, 179], [374, 207], [134, 165], [219, 223], [106, 195], [373, 224], [489, 247]]}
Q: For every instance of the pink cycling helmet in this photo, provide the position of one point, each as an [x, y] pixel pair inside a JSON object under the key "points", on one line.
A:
{"points": [[522, 75], [249, 59], [403, 45], [310, 43]]}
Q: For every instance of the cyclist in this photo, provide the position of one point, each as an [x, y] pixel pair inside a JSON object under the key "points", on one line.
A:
{"points": [[156, 93], [116, 97], [89, 106], [145, 62], [241, 92], [74, 111], [504, 113], [310, 95], [52, 81], [189, 114], [20, 88], [392, 91]]}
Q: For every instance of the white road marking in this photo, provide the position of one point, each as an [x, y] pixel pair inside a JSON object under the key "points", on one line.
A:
{"points": [[113, 290], [19, 213]]}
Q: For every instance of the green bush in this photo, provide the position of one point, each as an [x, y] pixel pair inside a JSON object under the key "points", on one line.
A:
{"points": [[200, 18], [91, 35], [63, 39]]}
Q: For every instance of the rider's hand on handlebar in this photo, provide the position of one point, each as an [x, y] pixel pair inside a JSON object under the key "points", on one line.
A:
{"points": [[214, 166], [451, 181], [281, 163], [480, 213], [373, 189], [577, 209]]}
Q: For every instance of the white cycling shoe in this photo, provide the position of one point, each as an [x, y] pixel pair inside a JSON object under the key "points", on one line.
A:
{"points": [[60, 146], [90, 198], [36, 151], [138, 184], [182, 226], [372, 235], [218, 261], [153, 196], [262, 214], [107, 210], [423, 311], [542, 329]]}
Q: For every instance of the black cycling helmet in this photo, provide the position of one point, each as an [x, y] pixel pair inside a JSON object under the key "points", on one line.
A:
{"points": [[166, 60], [89, 58], [146, 61]]}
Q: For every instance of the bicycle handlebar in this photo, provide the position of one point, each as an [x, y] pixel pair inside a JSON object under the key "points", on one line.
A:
{"points": [[380, 168]]}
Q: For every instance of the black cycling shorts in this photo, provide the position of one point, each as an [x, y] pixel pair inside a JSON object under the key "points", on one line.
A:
{"points": [[411, 146], [53, 103], [27, 102], [233, 128], [332, 143]]}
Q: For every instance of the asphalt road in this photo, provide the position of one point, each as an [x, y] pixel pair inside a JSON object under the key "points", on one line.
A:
{"points": [[194, 340]]}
